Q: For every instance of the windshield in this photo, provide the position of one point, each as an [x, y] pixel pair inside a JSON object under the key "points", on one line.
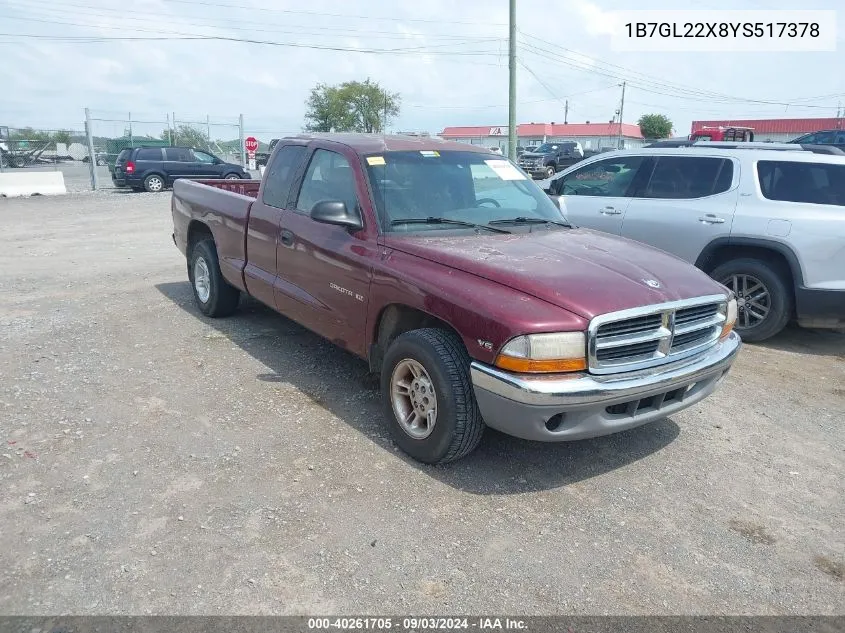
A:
{"points": [[553, 147], [466, 186]]}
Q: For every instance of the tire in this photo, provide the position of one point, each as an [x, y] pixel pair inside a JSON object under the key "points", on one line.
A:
{"points": [[550, 171], [231, 177], [778, 298], [101, 162], [457, 427], [17, 162], [214, 296], [154, 183]]}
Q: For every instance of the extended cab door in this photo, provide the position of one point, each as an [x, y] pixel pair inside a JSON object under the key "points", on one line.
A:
{"points": [[596, 195], [687, 202], [265, 218], [325, 270]]}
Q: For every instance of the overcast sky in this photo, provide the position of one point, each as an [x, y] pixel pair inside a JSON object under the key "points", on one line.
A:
{"points": [[447, 59]]}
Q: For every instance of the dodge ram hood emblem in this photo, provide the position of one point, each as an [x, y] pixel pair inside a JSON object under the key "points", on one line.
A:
{"points": [[651, 283]]}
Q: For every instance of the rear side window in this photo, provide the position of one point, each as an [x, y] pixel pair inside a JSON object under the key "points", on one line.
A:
{"points": [[148, 154], [279, 176], [682, 177], [814, 183], [180, 154], [124, 154]]}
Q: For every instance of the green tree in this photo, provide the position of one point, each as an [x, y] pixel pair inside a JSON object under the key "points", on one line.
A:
{"points": [[188, 136], [62, 136], [353, 106], [655, 126]]}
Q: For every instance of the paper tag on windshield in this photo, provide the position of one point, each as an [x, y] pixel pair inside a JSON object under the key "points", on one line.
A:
{"points": [[375, 160], [430, 153], [505, 170]]}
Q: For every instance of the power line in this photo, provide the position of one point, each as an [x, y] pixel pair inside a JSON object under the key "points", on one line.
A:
{"points": [[176, 35], [334, 15], [130, 14], [540, 81], [648, 85]]}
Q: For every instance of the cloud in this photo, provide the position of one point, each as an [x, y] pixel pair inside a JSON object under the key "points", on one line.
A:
{"points": [[269, 84], [595, 19]]}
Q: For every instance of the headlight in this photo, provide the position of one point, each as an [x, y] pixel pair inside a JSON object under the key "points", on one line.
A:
{"points": [[728, 309], [544, 353]]}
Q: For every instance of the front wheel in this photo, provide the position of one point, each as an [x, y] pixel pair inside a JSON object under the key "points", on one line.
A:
{"points": [[213, 294], [764, 299], [427, 392], [232, 177], [550, 171]]}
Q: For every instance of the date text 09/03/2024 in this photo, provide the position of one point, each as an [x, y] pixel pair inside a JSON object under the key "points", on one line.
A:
{"points": [[416, 624]]}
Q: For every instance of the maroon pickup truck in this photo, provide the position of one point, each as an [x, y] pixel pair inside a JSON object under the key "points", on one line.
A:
{"points": [[448, 270]]}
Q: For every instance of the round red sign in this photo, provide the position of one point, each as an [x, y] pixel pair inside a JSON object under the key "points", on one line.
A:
{"points": [[251, 144]]}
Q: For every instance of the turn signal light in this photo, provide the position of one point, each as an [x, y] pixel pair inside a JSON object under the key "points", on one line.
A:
{"points": [[544, 353], [730, 312], [528, 366]]}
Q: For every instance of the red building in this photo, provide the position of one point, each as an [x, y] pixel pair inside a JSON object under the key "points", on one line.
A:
{"points": [[777, 130]]}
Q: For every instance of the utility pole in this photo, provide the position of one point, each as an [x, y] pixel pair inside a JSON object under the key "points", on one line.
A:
{"points": [[566, 111], [512, 82], [621, 111]]}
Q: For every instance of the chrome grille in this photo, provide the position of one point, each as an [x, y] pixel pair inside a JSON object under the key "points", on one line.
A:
{"points": [[654, 335]]}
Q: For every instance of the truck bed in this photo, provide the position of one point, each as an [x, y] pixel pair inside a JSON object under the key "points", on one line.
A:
{"points": [[223, 206], [244, 187]]}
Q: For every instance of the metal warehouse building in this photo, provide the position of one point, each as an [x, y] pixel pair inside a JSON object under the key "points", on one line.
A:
{"points": [[776, 130], [592, 136]]}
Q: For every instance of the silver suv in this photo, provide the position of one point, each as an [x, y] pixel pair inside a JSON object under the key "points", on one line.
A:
{"points": [[768, 224]]}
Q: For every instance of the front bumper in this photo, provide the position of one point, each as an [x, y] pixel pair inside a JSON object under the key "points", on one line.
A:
{"points": [[565, 407]]}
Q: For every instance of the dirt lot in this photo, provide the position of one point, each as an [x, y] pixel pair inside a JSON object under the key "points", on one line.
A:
{"points": [[155, 461]]}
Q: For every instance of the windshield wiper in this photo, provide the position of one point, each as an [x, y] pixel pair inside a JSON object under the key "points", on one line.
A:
{"points": [[433, 220], [524, 220]]}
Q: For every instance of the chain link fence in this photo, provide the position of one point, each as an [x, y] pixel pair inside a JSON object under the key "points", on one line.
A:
{"points": [[36, 149], [109, 132]]}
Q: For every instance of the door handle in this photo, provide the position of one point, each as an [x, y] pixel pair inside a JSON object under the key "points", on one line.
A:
{"points": [[610, 211], [287, 237], [711, 219]]}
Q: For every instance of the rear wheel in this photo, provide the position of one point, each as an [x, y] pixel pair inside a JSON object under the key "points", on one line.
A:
{"points": [[232, 177], [763, 296], [428, 394], [153, 183], [213, 294]]}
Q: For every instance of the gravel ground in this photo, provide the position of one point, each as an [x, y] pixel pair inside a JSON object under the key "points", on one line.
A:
{"points": [[155, 461]]}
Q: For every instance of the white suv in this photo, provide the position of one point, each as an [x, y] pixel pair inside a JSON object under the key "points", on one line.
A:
{"points": [[768, 224]]}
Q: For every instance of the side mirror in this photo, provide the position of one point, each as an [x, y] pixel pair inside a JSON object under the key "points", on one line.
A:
{"points": [[335, 212]]}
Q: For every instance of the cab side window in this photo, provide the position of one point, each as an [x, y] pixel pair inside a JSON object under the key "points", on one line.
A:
{"points": [[329, 177]]}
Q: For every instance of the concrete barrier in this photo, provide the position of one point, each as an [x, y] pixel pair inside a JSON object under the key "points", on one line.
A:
{"points": [[16, 183]]}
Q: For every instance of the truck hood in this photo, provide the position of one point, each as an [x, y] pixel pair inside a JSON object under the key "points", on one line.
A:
{"points": [[582, 271], [535, 155]]}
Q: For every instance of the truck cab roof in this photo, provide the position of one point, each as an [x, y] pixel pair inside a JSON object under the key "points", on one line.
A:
{"points": [[374, 143]]}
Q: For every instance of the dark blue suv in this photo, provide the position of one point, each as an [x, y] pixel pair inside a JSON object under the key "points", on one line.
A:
{"points": [[154, 168]]}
